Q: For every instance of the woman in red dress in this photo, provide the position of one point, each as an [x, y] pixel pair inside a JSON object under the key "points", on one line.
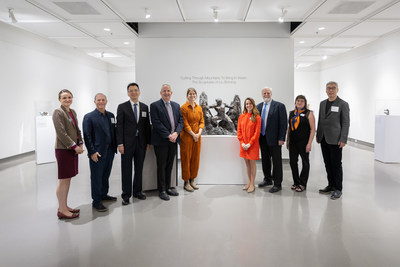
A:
{"points": [[248, 132]]}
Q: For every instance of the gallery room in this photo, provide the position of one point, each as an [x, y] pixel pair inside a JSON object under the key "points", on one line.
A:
{"points": [[228, 51]]}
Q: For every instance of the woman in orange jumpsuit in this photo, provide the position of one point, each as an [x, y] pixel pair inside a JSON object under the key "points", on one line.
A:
{"points": [[248, 132], [193, 124]]}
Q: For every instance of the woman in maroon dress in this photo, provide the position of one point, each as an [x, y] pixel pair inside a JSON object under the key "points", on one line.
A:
{"points": [[68, 146]]}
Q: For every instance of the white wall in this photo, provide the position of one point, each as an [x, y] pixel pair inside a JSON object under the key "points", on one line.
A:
{"points": [[368, 80], [221, 67], [221, 59], [118, 79], [307, 84], [33, 70]]}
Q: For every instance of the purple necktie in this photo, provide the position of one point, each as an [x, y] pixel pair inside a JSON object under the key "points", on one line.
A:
{"points": [[171, 116]]}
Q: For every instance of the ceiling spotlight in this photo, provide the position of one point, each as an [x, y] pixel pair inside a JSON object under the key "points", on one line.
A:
{"points": [[107, 29], [324, 57], [301, 42], [11, 15], [126, 43], [147, 15], [282, 17], [215, 14], [321, 28]]}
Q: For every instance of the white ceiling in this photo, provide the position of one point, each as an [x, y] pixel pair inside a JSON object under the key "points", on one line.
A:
{"points": [[347, 24]]}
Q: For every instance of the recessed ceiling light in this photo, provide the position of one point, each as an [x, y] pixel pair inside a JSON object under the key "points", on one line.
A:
{"points": [[324, 57], [107, 29], [321, 28], [126, 43], [301, 42]]}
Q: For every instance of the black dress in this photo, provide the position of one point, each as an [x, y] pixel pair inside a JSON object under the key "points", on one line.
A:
{"points": [[298, 139]]}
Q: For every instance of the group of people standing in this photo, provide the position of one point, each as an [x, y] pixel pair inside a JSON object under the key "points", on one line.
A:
{"points": [[167, 124], [269, 131]]}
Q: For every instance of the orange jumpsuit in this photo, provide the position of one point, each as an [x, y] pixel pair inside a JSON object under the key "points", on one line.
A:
{"points": [[190, 150], [249, 132]]}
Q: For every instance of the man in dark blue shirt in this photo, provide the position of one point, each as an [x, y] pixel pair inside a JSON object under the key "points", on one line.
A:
{"points": [[99, 135]]}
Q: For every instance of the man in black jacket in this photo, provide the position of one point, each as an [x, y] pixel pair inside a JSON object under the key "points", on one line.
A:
{"points": [[133, 139]]}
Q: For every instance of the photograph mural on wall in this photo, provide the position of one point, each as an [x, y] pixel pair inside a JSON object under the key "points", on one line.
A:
{"points": [[224, 122]]}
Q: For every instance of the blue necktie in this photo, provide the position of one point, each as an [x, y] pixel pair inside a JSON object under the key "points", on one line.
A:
{"points": [[135, 114], [263, 114]]}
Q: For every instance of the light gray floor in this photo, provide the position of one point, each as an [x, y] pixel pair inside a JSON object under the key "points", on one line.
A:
{"points": [[215, 226]]}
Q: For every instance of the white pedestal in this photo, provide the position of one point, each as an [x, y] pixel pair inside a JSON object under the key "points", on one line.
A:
{"points": [[149, 180], [45, 139], [387, 141], [220, 162]]}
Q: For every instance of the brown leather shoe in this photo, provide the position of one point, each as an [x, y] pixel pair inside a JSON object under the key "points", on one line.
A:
{"points": [[63, 216]]}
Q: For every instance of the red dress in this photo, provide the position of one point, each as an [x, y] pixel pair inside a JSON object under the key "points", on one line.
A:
{"points": [[249, 132]]}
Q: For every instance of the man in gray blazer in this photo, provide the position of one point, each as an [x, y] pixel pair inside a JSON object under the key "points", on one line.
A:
{"points": [[333, 129]]}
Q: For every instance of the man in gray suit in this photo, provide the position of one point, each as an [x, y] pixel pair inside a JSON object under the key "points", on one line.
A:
{"points": [[333, 129]]}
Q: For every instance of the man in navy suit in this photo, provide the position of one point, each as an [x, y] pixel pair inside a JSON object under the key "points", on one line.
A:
{"points": [[133, 139], [272, 137], [167, 122], [99, 135]]}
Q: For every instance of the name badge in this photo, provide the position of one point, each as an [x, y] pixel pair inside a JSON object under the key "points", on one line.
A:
{"points": [[144, 114], [302, 115], [335, 109], [112, 120]]}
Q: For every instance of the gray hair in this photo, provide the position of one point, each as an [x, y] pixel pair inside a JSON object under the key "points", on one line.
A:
{"points": [[166, 84], [332, 82], [99, 94], [266, 87]]}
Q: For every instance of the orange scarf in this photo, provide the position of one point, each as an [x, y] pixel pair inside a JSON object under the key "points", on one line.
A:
{"points": [[296, 119]]}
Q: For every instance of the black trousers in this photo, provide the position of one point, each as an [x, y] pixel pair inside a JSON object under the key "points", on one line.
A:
{"points": [[138, 154], [273, 153], [297, 149], [99, 175], [333, 164], [165, 161]]}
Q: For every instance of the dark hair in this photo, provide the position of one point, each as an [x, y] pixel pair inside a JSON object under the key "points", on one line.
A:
{"points": [[301, 97], [254, 112], [132, 84], [64, 91], [189, 90]]}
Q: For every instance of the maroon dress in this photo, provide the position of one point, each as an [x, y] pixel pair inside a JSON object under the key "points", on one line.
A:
{"points": [[67, 159]]}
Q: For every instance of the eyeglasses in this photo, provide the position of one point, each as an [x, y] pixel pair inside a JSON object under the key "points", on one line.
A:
{"points": [[331, 88]]}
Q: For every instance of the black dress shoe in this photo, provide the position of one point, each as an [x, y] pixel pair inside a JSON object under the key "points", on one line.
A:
{"points": [[275, 189], [109, 198], [140, 196], [125, 202], [336, 194], [264, 183], [163, 195], [172, 192], [326, 190], [100, 207]]}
